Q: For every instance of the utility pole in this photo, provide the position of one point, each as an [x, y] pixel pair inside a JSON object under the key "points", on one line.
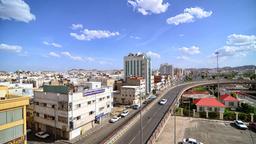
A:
{"points": [[141, 132], [218, 75], [174, 129]]}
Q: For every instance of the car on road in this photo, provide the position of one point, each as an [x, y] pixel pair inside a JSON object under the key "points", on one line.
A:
{"points": [[115, 119], [163, 101], [124, 113], [136, 106], [42, 135], [190, 141], [240, 124]]}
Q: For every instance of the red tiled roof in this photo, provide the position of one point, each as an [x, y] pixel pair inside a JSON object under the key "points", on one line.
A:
{"points": [[227, 97], [210, 102]]}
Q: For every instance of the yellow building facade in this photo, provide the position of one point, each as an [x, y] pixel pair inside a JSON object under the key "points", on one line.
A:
{"points": [[13, 119]]}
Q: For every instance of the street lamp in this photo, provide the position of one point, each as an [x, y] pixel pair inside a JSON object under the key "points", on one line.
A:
{"points": [[218, 79], [141, 132]]}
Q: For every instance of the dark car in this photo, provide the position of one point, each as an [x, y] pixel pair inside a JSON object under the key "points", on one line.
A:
{"points": [[252, 126]]}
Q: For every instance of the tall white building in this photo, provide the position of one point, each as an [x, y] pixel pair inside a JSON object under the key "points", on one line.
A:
{"points": [[67, 113], [166, 69], [138, 65]]}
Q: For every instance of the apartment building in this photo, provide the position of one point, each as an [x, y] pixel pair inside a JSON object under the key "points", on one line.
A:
{"points": [[137, 81], [69, 113], [129, 95], [13, 119], [138, 65], [166, 69]]}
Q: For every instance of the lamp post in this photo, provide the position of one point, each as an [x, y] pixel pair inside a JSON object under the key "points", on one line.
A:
{"points": [[141, 132], [218, 76]]}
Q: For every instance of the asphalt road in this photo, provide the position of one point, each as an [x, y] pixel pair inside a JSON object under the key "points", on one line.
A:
{"points": [[106, 128], [150, 119]]}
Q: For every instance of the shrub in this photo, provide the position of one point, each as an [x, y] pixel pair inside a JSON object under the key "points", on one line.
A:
{"points": [[202, 114], [213, 115], [229, 115], [244, 117]]}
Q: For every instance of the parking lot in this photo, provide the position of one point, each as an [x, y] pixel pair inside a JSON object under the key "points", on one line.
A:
{"points": [[206, 131], [212, 132]]}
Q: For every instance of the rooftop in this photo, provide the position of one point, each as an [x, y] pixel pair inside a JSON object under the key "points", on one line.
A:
{"points": [[209, 102], [227, 97]]}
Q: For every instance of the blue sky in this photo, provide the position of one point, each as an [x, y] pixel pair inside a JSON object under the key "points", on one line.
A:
{"points": [[61, 34]]}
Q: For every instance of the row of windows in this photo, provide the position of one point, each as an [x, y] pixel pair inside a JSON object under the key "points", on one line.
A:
{"points": [[10, 116], [128, 95], [9, 134]]}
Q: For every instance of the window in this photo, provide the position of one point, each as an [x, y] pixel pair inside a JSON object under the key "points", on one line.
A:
{"points": [[200, 108], [108, 97], [100, 99], [89, 102], [11, 133], [91, 112], [62, 119], [78, 105], [108, 106], [101, 108], [231, 103], [2, 118], [78, 118], [53, 106]]}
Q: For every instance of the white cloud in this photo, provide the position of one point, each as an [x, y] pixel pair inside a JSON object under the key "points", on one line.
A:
{"points": [[53, 54], [198, 12], [191, 51], [52, 44], [153, 54], [135, 37], [75, 58], [238, 39], [182, 58], [15, 9], [180, 18], [146, 7], [237, 45], [11, 48], [90, 59], [76, 26], [189, 15], [88, 35]]}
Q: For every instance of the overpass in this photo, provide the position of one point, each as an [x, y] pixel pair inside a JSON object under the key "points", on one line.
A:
{"points": [[152, 118]]}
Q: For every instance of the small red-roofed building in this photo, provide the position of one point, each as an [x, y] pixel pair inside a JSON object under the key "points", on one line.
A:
{"points": [[209, 104], [229, 101]]}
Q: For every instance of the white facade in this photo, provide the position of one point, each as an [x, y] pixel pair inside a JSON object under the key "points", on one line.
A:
{"points": [[19, 89], [72, 114], [93, 85]]}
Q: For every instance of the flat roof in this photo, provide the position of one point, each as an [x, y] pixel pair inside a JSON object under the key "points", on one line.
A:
{"points": [[130, 86]]}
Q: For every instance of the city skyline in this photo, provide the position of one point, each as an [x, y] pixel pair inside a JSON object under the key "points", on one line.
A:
{"points": [[50, 35]]}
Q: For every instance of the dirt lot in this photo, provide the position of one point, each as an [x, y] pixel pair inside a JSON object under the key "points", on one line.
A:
{"points": [[207, 131]]}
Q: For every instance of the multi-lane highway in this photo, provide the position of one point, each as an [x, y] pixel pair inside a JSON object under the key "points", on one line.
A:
{"points": [[150, 119]]}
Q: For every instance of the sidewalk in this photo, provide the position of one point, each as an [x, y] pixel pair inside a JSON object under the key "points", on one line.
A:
{"points": [[182, 124], [167, 134]]}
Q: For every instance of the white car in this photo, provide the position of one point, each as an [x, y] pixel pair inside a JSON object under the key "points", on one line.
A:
{"points": [[115, 119], [136, 106], [163, 101], [124, 113], [190, 141], [240, 124], [42, 134]]}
